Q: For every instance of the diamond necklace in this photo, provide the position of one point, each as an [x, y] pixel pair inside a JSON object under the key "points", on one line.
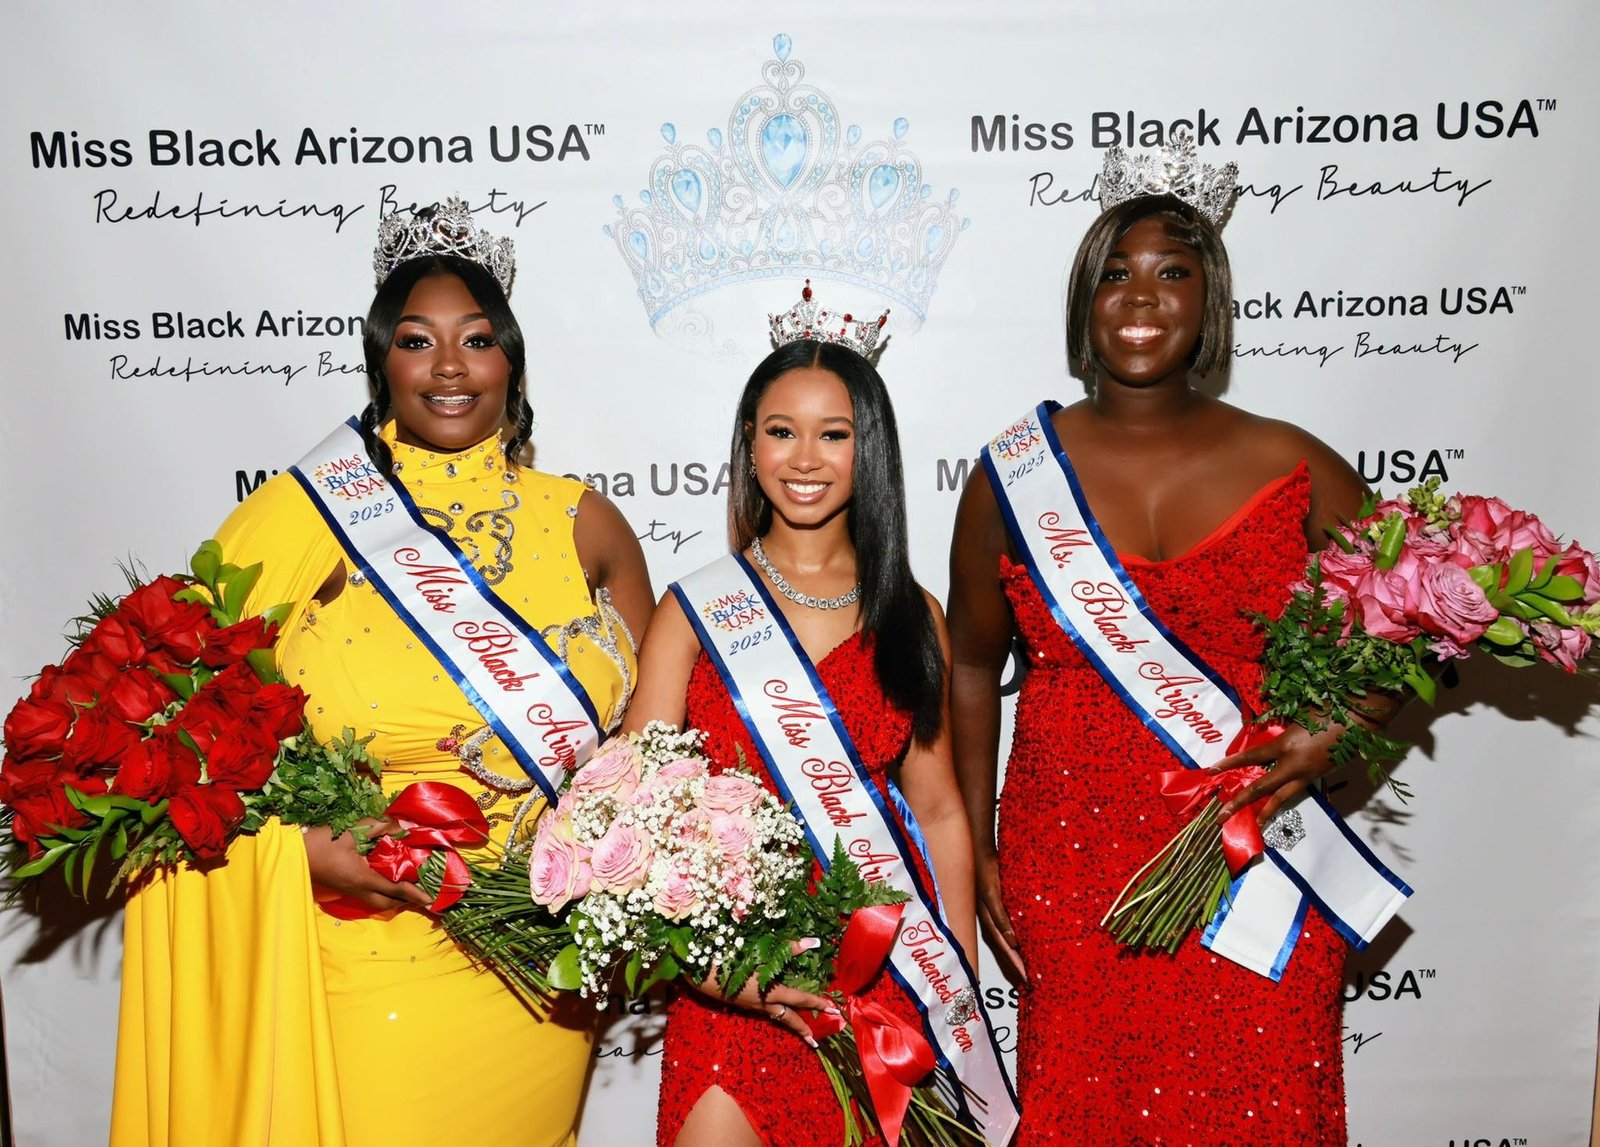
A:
{"points": [[794, 595]]}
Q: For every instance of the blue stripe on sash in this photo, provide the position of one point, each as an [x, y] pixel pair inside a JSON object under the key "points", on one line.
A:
{"points": [[823, 853], [1353, 937], [485, 710]]}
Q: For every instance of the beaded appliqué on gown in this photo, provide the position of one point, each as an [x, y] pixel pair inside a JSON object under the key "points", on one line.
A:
{"points": [[495, 522]]}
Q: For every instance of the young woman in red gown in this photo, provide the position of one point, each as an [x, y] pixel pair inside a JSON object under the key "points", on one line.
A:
{"points": [[1211, 511], [816, 498]]}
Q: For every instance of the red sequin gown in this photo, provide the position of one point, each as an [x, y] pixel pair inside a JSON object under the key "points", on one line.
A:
{"points": [[1120, 1048], [776, 1080]]}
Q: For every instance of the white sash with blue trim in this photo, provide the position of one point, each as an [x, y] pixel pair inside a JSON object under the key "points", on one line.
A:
{"points": [[808, 753], [1180, 699], [504, 667]]}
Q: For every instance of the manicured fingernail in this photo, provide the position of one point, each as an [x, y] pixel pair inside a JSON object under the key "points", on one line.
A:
{"points": [[809, 943], [810, 1042], [832, 1010]]}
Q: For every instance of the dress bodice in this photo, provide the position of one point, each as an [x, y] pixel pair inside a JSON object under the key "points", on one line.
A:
{"points": [[363, 668], [1206, 595], [879, 731]]}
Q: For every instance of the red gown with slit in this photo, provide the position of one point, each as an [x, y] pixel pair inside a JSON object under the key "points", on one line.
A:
{"points": [[1116, 1047], [776, 1080]]}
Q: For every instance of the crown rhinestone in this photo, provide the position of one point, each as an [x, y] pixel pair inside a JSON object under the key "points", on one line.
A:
{"points": [[807, 320], [1175, 170], [442, 229]]}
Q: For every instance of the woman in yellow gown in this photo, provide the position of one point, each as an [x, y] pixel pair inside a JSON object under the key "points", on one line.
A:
{"points": [[248, 1015]]}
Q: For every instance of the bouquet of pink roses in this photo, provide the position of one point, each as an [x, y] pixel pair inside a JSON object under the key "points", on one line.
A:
{"points": [[660, 869], [1415, 581], [654, 857]]}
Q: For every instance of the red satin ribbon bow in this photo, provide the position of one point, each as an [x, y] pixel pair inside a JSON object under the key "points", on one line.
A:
{"points": [[1186, 791], [895, 1055], [435, 816]]}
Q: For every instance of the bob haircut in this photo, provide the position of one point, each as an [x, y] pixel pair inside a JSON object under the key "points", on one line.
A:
{"points": [[1187, 226], [378, 338], [906, 652]]}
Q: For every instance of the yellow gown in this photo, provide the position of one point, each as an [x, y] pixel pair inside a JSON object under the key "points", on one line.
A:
{"points": [[249, 1016]]}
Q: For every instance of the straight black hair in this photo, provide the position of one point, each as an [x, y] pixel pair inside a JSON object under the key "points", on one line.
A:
{"points": [[894, 613], [384, 316]]}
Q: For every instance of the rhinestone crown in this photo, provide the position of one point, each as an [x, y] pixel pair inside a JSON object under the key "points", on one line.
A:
{"points": [[807, 320], [442, 229], [1175, 170]]}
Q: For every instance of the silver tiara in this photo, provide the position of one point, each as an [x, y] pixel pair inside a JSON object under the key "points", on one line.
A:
{"points": [[443, 229], [1175, 170], [807, 320]]}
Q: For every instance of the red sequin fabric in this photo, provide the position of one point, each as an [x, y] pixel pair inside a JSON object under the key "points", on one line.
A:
{"points": [[776, 1080], [1116, 1047]]}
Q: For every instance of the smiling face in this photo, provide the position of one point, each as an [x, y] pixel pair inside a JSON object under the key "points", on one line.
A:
{"points": [[447, 374], [803, 442], [1149, 306]]}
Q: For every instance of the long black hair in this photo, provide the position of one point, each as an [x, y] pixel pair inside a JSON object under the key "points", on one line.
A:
{"points": [[894, 613], [1182, 223], [378, 338]]}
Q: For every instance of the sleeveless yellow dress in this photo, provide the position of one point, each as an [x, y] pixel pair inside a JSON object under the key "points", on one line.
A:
{"points": [[249, 1016]]}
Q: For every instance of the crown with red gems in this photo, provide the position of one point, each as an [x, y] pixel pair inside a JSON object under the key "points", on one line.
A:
{"points": [[442, 229], [1175, 170], [807, 320]]}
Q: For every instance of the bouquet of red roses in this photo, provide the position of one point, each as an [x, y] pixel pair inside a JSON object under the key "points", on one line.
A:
{"points": [[166, 731], [1415, 581]]}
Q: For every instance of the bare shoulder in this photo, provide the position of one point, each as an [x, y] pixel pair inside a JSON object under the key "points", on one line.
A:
{"points": [[669, 615], [1287, 445], [606, 542], [612, 557], [1337, 490], [598, 517]]}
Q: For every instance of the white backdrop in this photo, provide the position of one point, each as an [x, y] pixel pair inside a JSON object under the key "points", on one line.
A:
{"points": [[1410, 260]]}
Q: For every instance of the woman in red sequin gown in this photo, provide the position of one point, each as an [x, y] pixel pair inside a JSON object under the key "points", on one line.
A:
{"points": [[816, 500], [1211, 510]]}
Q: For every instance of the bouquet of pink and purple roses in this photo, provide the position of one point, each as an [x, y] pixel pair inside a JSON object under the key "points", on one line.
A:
{"points": [[1462, 571], [1418, 580], [1415, 582]]}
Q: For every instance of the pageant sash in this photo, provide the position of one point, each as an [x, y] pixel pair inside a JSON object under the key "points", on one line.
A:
{"points": [[1180, 699], [503, 666], [800, 736]]}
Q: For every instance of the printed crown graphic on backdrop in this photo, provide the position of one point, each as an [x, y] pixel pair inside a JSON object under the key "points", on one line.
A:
{"points": [[787, 191]]}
